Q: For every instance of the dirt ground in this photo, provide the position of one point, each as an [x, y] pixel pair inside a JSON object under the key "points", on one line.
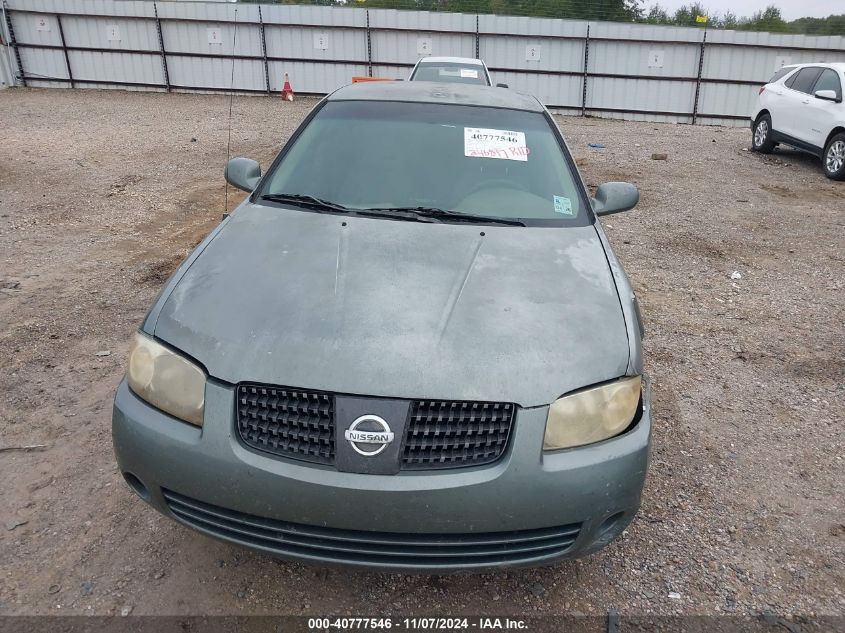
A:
{"points": [[738, 260]]}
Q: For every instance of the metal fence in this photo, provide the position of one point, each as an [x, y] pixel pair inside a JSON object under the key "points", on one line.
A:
{"points": [[629, 71]]}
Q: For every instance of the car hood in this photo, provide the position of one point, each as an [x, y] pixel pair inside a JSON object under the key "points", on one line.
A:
{"points": [[399, 309]]}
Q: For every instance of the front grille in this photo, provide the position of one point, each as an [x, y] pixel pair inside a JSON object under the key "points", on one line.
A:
{"points": [[387, 549], [287, 422], [300, 425], [445, 434]]}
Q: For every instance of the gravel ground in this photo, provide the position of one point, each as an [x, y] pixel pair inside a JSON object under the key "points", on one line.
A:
{"points": [[738, 263]]}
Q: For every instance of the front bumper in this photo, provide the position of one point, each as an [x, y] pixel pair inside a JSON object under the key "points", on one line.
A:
{"points": [[529, 508]]}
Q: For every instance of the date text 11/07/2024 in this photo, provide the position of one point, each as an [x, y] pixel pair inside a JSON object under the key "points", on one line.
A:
{"points": [[416, 624]]}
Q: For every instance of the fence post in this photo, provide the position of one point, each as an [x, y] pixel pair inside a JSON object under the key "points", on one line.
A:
{"points": [[161, 48], [369, 48], [263, 52], [698, 78], [584, 81], [64, 50], [14, 43], [477, 39]]}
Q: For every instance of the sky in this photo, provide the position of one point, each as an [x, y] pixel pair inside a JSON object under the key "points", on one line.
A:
{"points": [[790, 9]]}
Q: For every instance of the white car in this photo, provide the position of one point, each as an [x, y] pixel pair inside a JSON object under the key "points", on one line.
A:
{"points": [[464, 70], [802, 106]]}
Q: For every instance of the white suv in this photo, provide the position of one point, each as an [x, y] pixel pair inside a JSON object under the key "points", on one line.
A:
{"points": [[802, 106]]}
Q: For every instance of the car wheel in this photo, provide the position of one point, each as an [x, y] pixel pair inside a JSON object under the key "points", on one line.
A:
{"points": [[834, 158], [761, 138]]}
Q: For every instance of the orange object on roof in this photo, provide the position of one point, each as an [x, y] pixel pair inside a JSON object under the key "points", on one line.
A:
{"points": [[356, 80]]}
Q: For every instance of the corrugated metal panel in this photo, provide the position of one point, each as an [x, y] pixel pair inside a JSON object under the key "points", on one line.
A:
{"points": [[36, 29], [505, 25], [196, 72], [629, 58], [512, 53], [563, 91], [821, 42], [108, 86], [505, 46], [289, 36], [7, 77], [294, 42], [640, 94], [396, 35], [8, 65], [35, 83], [421, 21], [87, 7], [640, 116], [508, 48], [658, 56], [725, 122], [318, 16], [118, 67], [620, 30], [195, 37], [402, 47], [44, 63], [390, 72], [90, 32], [725, 99], [558, 91], [208, 11]]}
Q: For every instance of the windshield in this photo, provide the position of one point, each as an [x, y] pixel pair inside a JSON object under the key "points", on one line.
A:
{"points": [[472, 160], [450, 72]]}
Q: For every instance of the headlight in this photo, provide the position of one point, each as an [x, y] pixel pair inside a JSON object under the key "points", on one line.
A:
{"points": [[166, 380], [592, 415]]}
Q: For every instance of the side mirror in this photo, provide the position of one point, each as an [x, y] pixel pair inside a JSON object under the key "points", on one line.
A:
{"points": [[501, 85], [243, 173], [615, 197], [827, 95]]}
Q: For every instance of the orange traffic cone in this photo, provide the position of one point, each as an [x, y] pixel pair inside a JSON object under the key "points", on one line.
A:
{"points": [[287, 90]]}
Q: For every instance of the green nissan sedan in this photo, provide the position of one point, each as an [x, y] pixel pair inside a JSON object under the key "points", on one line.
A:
{"points": [[411, 347]]}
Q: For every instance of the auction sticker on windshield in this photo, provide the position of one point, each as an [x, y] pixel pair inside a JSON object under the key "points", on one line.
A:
{"points": [[482, 142], [469, 73], [563, 205]]}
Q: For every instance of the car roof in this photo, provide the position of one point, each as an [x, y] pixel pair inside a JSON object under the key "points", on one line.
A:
{"points": [[840, 66], [435, 92], [452, 60]]}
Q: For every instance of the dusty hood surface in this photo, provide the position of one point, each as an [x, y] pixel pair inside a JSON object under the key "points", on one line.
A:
{"points": [[402, 309]]}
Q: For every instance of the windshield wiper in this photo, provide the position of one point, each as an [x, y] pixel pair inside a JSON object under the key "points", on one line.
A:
{"points": [[435, 214], [306, 201], [417, 214]]}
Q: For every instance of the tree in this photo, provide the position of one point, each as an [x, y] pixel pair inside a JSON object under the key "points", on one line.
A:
{"points": [[657, 15], [686, 15], [769, 19], [728, 21], [831, 25]]}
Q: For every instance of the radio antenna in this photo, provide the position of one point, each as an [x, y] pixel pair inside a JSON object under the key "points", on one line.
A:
{"points": [[231, 101]]}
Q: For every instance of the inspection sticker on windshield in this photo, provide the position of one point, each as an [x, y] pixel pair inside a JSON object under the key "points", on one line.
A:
{"points": [[469, 73], [482, 142], [563, 205]]}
